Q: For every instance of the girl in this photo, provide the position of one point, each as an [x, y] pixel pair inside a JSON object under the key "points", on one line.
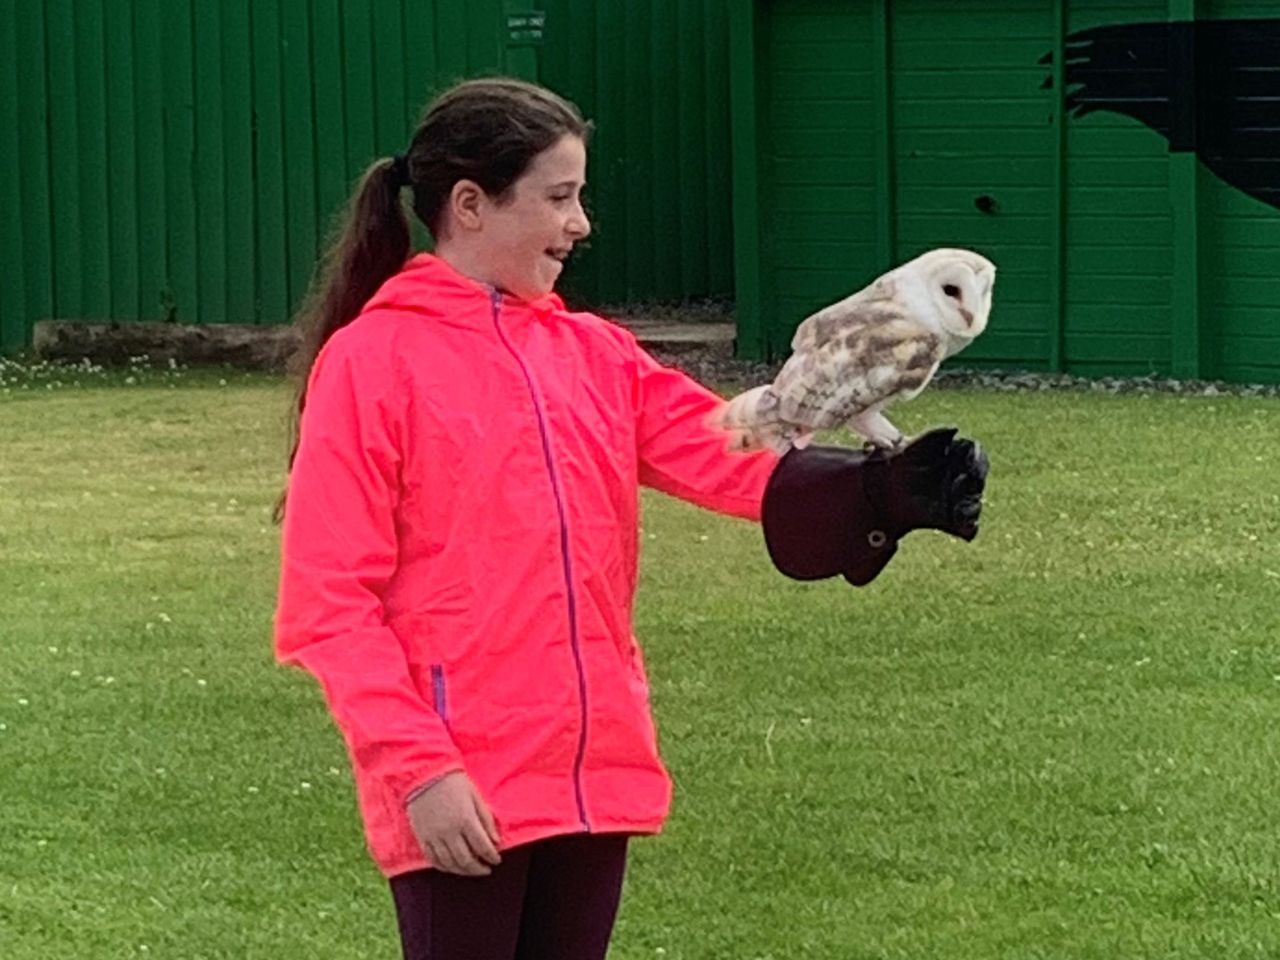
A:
{"points": [[459, 542]]}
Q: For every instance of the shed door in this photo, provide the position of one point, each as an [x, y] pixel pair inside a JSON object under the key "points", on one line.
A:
{"points": [[968, 139], [974, 152], [818, 231]]}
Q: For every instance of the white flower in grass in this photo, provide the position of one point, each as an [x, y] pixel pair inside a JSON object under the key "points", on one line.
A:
{"points": [[75, 673], [305, 785], [202, 682], [23, 702], [253, 790]]}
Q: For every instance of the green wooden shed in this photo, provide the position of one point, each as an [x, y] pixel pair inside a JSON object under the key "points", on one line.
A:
{"points": [[183, 162], [1118, 159]]}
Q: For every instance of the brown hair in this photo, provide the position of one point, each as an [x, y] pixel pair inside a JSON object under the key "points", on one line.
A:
{"points": [[486, 130]]}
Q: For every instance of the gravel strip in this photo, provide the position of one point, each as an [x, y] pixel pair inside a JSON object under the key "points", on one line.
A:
{"points": [[719, 367]]}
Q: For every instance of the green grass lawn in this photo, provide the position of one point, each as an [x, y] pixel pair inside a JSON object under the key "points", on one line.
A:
{"points": [[1059, 741]]}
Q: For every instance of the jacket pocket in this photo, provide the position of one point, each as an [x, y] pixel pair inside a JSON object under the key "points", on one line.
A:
{"points": [[438, 698]]}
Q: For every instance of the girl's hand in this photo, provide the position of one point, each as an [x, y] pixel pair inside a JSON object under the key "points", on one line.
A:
{"points": [[455, 827]]}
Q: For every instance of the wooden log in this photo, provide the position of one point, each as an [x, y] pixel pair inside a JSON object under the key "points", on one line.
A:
{"points": [[268, 348], [238, 345]]}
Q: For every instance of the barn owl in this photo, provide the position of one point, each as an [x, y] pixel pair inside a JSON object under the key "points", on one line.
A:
{"points": [[853, 358]]}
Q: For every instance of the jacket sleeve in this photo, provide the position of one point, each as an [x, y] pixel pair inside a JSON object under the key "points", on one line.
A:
{"points": [[339, 552], [681, 454]]}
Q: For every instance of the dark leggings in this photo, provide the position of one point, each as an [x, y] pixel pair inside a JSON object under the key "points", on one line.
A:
{"points": [[555, 899]]}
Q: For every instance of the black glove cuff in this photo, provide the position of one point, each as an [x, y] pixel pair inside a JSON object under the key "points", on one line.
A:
{"points": [[823, 514]]}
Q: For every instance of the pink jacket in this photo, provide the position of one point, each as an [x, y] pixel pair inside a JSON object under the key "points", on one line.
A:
{"points": [[459, 552]]}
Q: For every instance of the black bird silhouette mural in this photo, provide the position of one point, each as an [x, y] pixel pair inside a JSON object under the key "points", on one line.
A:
{"points": [[1211, 87]]}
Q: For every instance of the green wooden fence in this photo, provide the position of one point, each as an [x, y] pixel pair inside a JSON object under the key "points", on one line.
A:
{"points": [[867, 132], [184, 160]]}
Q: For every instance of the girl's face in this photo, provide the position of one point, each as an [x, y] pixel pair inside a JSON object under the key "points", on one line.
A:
{"points": [[525, 241]]}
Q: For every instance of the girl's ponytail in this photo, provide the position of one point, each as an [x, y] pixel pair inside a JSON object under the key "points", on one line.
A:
{"points": [[371, 244]]}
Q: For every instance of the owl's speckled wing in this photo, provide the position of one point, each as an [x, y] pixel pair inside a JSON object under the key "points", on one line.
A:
{"points": [[851, 357]]}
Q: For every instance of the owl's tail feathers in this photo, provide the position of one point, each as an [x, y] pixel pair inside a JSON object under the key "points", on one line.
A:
{"points": [[751, 421]]}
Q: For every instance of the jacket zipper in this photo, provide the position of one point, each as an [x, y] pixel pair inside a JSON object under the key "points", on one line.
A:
{"points": [[437, 692], [495, 299]]}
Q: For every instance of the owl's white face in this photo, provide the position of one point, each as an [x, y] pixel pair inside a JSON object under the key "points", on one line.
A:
{"points": [[949, 287]]}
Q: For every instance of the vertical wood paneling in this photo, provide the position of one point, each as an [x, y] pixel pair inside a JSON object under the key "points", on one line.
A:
{"points": [[271, 247], [747, 169], [420, 62], [91, 162], [237, 126], [13, 291], [638, 161], [654, 79], [389, 77], [64, 148], [150, 213], [609, 194], [664, 96], [200, 150], [330, 129], [719, 145], [122, 160], [179, 162], [1058, 251], [33, 219], [562, 66], [357, 83], [692, 161], [451, 40], [299, 147], [485, 41], [210, 164]]}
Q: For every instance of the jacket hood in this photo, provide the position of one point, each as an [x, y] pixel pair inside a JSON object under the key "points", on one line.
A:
{"points": [[429, 285]]}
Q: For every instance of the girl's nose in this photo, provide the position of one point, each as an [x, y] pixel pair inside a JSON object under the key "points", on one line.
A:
{"points": [[578, 224]]}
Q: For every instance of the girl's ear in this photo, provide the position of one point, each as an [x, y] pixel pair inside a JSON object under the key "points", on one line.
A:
{"points": [[465, 202]]}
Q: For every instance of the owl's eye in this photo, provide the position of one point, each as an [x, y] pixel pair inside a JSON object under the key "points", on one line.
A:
{"points": [[951, 290]]}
